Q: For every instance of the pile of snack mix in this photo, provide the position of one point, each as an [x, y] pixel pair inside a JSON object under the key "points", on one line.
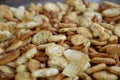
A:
{"points": [[76, 40]]}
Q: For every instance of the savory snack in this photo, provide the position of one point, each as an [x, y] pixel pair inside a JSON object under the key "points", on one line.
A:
{"points": [[75, 40]]}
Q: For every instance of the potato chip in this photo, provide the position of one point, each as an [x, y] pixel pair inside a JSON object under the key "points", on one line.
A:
{"points": [[77, 62]]}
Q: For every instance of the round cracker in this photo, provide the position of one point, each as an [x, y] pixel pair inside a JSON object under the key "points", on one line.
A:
{"points": [[41, 37]]}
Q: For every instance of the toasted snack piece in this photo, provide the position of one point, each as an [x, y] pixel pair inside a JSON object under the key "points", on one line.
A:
{"points": [[27, 41], [114, 69], [28, 25], [37, 7], [72, 69], [36, 65], [58, 62], [93, 6], [106, 25], [5, 35], [108, 61], [41, 37], [116, 31], [11, 64], [67, 29], [18, 12], [50, 78], [4, 26], [76, 4], [6, 69], [51, 7], [6, 72], [43, 46], [91, 14], [26, 56], [21, 68], [72, 16], [99, 31], [67, 25], [80, 39], [14, 46], [38, 19], [26, 35], [96, 68], [54, 50], [60, 15], [1, 50], [70, 53], [46, 72], [56, 38], [112, 12], [85, 76], [72, 78], [111, 49], [66, 46], [114, 49], [62, 6], [104, 75], [110, 4], [23, 31], [23, 76], [84, 31], [85, 21], [28, 16], [97, 42], [5, 10], [77, 60], [8, 57], [113, 39], [59, 77]]}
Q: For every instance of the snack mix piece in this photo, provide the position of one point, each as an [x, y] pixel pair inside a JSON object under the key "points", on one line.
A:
{"points": [[75, 40]]}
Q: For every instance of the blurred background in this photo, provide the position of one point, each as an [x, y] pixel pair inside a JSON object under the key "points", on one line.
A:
{"points": [[16, 3]]}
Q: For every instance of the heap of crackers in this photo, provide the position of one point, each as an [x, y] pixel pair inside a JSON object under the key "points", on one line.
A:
{"points": [[75, 40]]}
